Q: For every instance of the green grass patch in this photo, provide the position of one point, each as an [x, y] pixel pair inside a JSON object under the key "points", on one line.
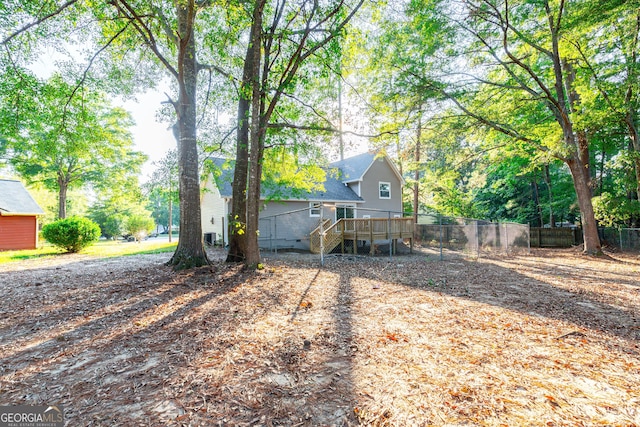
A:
{"points": [[102, 249]]}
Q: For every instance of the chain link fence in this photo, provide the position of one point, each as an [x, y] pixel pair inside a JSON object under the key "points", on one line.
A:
{"points": [[626, 239], [471, 237]]}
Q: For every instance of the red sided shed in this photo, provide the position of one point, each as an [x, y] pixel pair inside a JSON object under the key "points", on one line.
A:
{"points": [[18, 217]]}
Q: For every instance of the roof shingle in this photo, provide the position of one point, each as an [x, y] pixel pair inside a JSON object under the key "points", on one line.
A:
{"points": [[15, 199]]}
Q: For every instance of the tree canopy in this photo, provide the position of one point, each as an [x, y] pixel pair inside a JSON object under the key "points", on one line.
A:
{"points": [[62, 141]]}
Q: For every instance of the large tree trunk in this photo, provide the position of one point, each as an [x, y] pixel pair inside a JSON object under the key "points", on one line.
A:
{"points": [[63, 186], [238, 216], [536, 200], [547, 181], [631, 122], [258, 131], [578, 145], [253, 205], [583, 193], [190, 251], [416, 184]]}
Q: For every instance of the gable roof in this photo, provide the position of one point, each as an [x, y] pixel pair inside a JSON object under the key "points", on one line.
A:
{"points": [[334, 189], [354, 168], [16, 200]]}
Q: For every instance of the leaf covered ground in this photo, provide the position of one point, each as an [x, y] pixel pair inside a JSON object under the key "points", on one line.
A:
{"points": [[551, 338]]}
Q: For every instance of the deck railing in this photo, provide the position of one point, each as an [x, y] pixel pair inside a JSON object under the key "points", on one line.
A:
{"points": [[332, 237]]}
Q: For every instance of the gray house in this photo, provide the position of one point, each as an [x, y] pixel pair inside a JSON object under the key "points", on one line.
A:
{"points": [[364, 186]]}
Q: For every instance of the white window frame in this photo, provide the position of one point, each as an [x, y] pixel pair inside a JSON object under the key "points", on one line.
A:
{"points": [[314, 209], [380, 184]]}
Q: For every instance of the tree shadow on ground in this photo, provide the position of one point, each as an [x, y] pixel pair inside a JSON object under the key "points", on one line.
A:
{"points": [[222, 346], [519, 292]]}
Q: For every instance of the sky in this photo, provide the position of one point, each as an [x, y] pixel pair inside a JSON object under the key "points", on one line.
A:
{"points": [[150, 136]]}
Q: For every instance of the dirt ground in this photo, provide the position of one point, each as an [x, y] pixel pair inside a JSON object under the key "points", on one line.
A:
{"points": [[551, 338]]}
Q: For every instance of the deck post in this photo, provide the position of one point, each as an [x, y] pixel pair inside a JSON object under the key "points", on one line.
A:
{"points": [[389, 235], [372, 249], [355, 238]]}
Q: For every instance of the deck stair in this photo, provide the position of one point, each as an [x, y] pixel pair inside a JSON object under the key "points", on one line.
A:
{"points": [[358, 229]]}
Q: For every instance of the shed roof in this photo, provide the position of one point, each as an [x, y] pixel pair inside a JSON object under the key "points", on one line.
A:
{"points": [[16, 200], [334, 189]]}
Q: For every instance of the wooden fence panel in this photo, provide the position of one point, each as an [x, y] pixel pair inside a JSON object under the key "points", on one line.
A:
{"points": [[552, 237]]}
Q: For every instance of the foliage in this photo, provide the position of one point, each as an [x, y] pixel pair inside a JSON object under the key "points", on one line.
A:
{"points": [[159, 206], [111, 223], [72, 234], [162, 189], [286, 176], [63, 137], [139, 226], [481, 101], [615, 212], [115, 205]]}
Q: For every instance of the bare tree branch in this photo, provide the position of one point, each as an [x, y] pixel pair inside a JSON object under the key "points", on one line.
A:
{"points": [[88, 67], [144, 31], [328, 130], [39, 21]]}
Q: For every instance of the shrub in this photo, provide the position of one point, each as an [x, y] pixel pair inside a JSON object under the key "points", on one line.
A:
{"points": [[612, 211], [72, 234], [139, 226]]}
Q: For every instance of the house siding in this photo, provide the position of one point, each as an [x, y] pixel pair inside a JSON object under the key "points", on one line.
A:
{"points": [[356, 187], [214, 209], [380, 171], [18, 232], [282, 228]]}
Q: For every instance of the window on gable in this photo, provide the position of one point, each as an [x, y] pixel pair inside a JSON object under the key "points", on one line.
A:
{"points": [[385, 190], [314, 209]]}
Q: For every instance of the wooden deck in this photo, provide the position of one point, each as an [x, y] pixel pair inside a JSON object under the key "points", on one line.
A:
{"points": [[360, 229]]}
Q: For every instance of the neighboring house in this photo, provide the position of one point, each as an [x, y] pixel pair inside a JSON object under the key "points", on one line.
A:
{"points": [[18, 217], [363, 186]]}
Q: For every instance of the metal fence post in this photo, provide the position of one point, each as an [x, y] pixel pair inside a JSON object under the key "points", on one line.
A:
{"points": [[620, 233], [475, 223], [322, 234], [440, 222]]}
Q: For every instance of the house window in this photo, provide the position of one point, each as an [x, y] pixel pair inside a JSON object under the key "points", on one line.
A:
{"points": [[314, 209], [345, 211], [385, 190]]}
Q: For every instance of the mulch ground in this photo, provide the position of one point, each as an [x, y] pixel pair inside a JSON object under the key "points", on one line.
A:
{"points": [[551, 338]]}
